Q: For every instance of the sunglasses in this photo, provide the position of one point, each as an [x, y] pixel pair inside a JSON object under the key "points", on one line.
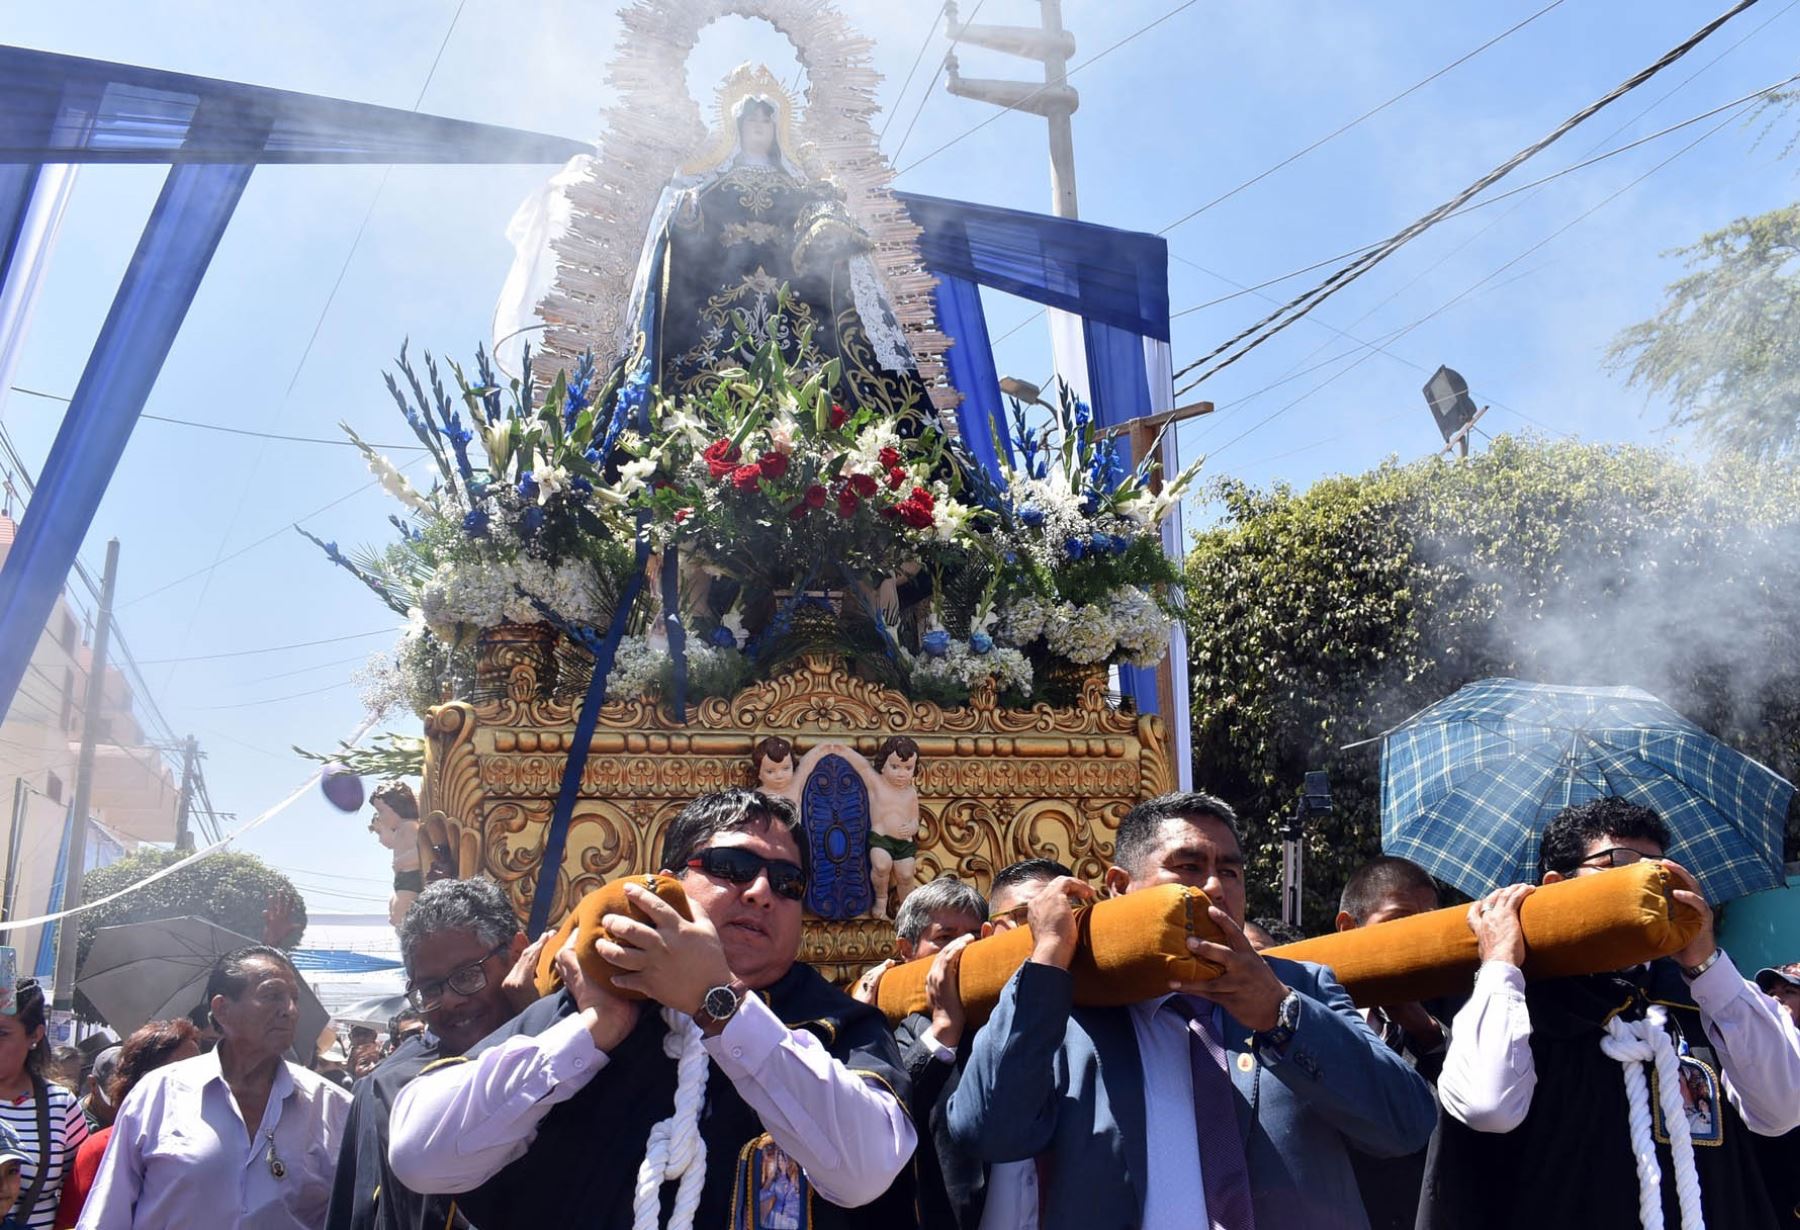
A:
{"points": [[1614, 856], [737, 865]]}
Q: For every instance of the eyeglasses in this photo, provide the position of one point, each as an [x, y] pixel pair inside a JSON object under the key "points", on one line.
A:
{"points": [[1614, 856], [470, 979], [1017, 914], [740, 866]]}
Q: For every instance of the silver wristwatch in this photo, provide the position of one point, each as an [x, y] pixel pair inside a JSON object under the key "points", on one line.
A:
{"points": [[717, 1006]]}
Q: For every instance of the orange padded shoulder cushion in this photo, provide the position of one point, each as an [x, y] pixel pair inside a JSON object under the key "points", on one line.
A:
{"points": [[1130, 949], [1586, 925], [584, 923]]}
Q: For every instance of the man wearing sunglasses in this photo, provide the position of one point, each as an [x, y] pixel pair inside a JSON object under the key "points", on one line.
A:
{"points": [[458, 941], [559, 1118], [1537, 1126]]}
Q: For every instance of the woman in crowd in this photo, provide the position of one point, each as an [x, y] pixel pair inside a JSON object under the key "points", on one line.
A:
{"points": [[45, 1116], [235, 1138], [152, 1046]]}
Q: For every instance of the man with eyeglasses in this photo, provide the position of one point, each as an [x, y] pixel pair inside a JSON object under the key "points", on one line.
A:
{"points": [[584, 1109], [1538, 1128], [459, 941]]}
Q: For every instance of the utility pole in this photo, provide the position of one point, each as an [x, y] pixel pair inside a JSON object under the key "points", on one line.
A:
{"points": [[1054, 99], [184, 840], [10, 895], [66, 929]]}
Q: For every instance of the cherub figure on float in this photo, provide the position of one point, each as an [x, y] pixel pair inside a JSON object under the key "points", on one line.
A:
{"points": [[892, 782]]}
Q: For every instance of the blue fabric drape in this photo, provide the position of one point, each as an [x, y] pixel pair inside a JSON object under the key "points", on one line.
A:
{"points": [[981, 417], [1121, 393], [1100, 273]]}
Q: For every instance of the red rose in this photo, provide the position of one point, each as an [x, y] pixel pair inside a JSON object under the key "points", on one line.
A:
{"points": [[916, 515], [798, 511], [848, 503], [721, 457], [923, 497], [896, 477], [837, 416], [815, 496], [682, 514], [863, 484], [889, 457], [772, 465], [745, 478], [661, 484]]}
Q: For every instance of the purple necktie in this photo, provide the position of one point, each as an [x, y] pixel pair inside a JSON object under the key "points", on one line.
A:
{"points": [[1224, 1171]]}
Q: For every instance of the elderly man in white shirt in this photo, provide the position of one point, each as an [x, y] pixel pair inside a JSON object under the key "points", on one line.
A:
{"points": [[235, 1139], [1533, 1102], [757, 1076]]}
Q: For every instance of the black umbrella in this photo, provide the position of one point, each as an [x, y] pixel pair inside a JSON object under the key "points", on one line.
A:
{"points": [[156, 971]]}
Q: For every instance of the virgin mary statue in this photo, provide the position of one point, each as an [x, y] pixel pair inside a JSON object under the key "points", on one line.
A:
{"points": [[745, 248]]}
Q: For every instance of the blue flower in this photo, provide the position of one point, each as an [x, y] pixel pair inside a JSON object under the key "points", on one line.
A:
{"points": [[981, 644], [475, 523], [533, 520], [592, 457], [1074, 548], [935, 643], [1012, 557], [1100, 544], [581, 485], [528, 487], [1120, 544], [1031, 516], [722, 638]]}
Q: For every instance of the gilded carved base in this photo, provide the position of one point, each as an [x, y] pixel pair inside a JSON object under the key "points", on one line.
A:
{"points": [[995, 785]]}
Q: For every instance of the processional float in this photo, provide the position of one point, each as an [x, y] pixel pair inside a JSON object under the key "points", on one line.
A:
{"points": [[749, 512]]}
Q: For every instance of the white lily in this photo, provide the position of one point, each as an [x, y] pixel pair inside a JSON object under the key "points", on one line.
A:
{"points": [[634, 475], [549, 482]]}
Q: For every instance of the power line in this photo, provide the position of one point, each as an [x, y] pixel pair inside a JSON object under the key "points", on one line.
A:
{"points": [[1138, 33], [1473, 287], [930, 90], [1369, 114], [237, 431], [251, 653], [275, 700], [1261, 331], [924, 45]]}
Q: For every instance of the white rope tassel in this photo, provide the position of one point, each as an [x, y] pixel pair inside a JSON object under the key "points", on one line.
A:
{"points": [[1633, 1044], [675, 1150]]}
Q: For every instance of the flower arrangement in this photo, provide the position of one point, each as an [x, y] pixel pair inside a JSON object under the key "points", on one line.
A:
{"points": [[766, 518]]}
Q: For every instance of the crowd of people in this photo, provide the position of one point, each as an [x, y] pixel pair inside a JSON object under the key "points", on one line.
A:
{"points": [[720, 1081]]}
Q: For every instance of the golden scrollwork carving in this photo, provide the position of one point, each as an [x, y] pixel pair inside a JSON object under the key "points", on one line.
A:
{"points": [[995, 785]]}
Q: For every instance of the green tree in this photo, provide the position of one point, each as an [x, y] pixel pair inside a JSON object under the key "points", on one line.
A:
{"points": [[1725, 348], [236, 891], [1319, 619]]}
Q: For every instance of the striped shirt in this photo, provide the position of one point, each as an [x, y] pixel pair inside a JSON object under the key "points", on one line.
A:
{"points": [[68, 1128]]}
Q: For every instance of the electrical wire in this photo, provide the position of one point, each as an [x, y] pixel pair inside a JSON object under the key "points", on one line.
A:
{"points": [[1248, 339], [1093, 59], [275, 700], [252, 653], [924, 45], [930, 90], [237, 431], [1345, 127]]}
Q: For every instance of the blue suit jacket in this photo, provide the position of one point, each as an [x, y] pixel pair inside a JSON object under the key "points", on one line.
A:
{"points": [[1047, 1079]]}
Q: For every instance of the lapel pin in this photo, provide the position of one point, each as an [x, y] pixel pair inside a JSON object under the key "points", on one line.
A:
{"points": [[1245, 1062]]}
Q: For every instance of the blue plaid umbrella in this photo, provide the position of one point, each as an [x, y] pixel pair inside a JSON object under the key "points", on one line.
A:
{"points": [[1468, 784]]}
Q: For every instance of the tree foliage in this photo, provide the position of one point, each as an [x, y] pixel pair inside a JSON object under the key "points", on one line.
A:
{"points": [[236, 891], [1320, 619], [1725, 348]]}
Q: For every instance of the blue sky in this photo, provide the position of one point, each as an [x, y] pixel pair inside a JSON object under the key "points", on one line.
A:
{"points": [[1213, 96]]}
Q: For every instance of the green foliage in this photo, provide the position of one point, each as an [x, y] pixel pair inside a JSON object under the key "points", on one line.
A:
{"points": [[1725, 348], [389, 755], [229, 889], [1322, 618]]}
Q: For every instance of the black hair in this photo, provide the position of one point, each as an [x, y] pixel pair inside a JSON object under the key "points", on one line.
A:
{"points": [[1568, 836], [28, 1006], [230, 975], [1025, 871], [1139, 829], [1369, 884], [1278, 932], [895, 745], [399, 798], [730, 811], [478, 905]]}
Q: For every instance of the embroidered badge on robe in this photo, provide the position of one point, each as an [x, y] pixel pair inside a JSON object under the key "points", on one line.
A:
{"points": [[1699, 1101], [770, 1191]]}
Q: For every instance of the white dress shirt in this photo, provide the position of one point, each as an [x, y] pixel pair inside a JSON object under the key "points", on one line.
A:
{"points": [[457, 1127], [1174, 1194], [181, 1157], [1489, 1077], [1010, 1196]]}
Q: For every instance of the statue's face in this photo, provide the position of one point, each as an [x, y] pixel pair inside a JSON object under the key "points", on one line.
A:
{"points": [[898, 772], [756, 132], [776, 774], [390, 828]]}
